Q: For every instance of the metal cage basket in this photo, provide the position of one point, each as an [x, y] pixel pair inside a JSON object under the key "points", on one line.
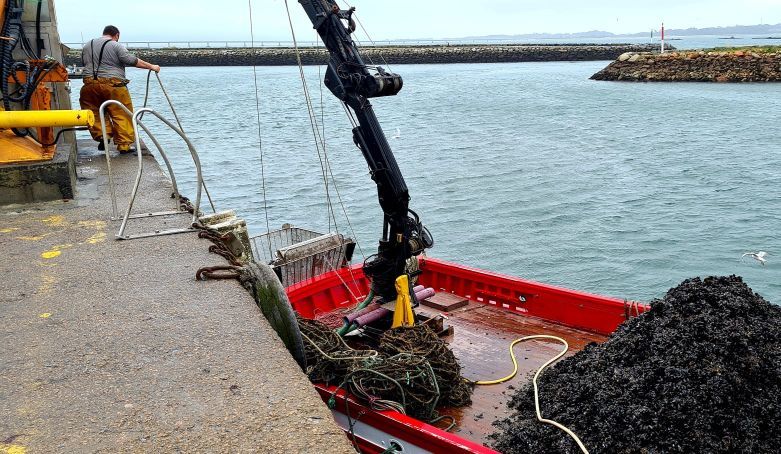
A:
{"points": [[298, 254]]}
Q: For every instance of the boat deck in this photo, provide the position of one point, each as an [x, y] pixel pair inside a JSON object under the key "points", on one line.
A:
{"points": [[500, 309], [482, 335]]}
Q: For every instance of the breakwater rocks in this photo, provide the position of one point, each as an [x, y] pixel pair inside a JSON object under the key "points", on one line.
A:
{"points": [[278, 56], [699, 66]]}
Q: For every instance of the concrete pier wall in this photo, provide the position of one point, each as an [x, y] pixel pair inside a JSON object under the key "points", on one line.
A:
{"points": [[279, 56], [114, 346]]}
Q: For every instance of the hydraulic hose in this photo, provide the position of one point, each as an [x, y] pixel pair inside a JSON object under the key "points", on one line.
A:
{"points": [[6, 50], [59, 133], [349, 327], [12, 30], [560, 426], [38, 39]]}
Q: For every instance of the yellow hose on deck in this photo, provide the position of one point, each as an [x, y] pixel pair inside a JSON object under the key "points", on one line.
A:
{"points": [[515, 361], [569, 432]]}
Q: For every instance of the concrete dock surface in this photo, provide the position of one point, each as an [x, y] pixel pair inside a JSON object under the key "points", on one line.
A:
{"points": [[113, 346]]}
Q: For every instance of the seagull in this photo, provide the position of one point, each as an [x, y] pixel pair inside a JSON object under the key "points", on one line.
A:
{"points": [[759, 256], [398, 134]]}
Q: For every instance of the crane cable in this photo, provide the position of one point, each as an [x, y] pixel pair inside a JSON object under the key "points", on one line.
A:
{"points": [[260, 142], [365, 32], [260, 137], [536, 386], [325, 165], [322, 109], [319, 138], [319, 142], [328, 161]]}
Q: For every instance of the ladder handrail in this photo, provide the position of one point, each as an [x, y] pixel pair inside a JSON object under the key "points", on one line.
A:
{"points": [[193, 154], [136, 122], [114, 214]]}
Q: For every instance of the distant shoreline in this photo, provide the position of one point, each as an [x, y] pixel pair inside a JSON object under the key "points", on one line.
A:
{"points": [[470, 53]]}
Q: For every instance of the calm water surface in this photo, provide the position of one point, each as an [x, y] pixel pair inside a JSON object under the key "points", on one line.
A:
{"points": [[528, 169]]}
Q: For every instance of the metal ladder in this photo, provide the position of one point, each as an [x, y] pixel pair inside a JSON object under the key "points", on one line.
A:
{"points": [[178, 209]]}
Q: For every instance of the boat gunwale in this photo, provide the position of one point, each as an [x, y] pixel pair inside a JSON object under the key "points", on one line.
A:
{"points": [[571, 308], [400, 425]]}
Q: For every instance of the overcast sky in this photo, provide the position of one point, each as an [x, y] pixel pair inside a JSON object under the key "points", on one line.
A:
{"points": [[193, 20]]}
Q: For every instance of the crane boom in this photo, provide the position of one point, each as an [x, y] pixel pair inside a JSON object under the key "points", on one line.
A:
{"points": [[351, 80]]}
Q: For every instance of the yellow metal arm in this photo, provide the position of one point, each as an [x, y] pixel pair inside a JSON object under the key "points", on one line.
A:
{"points": [[46, 118]]}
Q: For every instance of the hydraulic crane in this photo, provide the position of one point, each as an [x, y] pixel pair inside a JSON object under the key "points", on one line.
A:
{"points": [[351, 80]]}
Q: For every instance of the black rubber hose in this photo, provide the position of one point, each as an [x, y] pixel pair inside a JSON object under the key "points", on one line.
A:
{"points": [[21, 92], [6, 52], [5, 21], [59, 133], [5, 64], [24, 42], [11, 29], [38, 39]]}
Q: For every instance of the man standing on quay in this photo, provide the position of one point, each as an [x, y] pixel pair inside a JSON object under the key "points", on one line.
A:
{"points": [[104, 61]]}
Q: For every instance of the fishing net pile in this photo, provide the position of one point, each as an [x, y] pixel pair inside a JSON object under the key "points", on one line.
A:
{"points": [[421, 341], [333, 319], [413, 371], [699, 372]]}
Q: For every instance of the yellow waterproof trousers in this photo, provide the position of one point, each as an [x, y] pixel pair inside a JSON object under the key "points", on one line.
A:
{"points": [[118, 124]]}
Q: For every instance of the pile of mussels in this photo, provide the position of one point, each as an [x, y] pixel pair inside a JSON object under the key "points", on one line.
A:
{"points": [[699, 372]]}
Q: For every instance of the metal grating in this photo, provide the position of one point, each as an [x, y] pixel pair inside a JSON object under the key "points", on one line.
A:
{"points": [[298, 254]]}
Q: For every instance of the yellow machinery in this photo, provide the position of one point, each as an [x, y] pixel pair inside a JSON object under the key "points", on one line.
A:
{"points": [[13, 147], [38, 119]]}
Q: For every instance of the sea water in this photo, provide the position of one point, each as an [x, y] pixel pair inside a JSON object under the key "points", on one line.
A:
{"points": [[528, 169]]}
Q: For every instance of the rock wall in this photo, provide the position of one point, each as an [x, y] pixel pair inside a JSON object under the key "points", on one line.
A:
{"points": [[700, 66], [398, 54]]}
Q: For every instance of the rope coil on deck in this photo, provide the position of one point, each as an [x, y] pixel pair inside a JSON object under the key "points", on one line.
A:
{"points": [[412, 371]]}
